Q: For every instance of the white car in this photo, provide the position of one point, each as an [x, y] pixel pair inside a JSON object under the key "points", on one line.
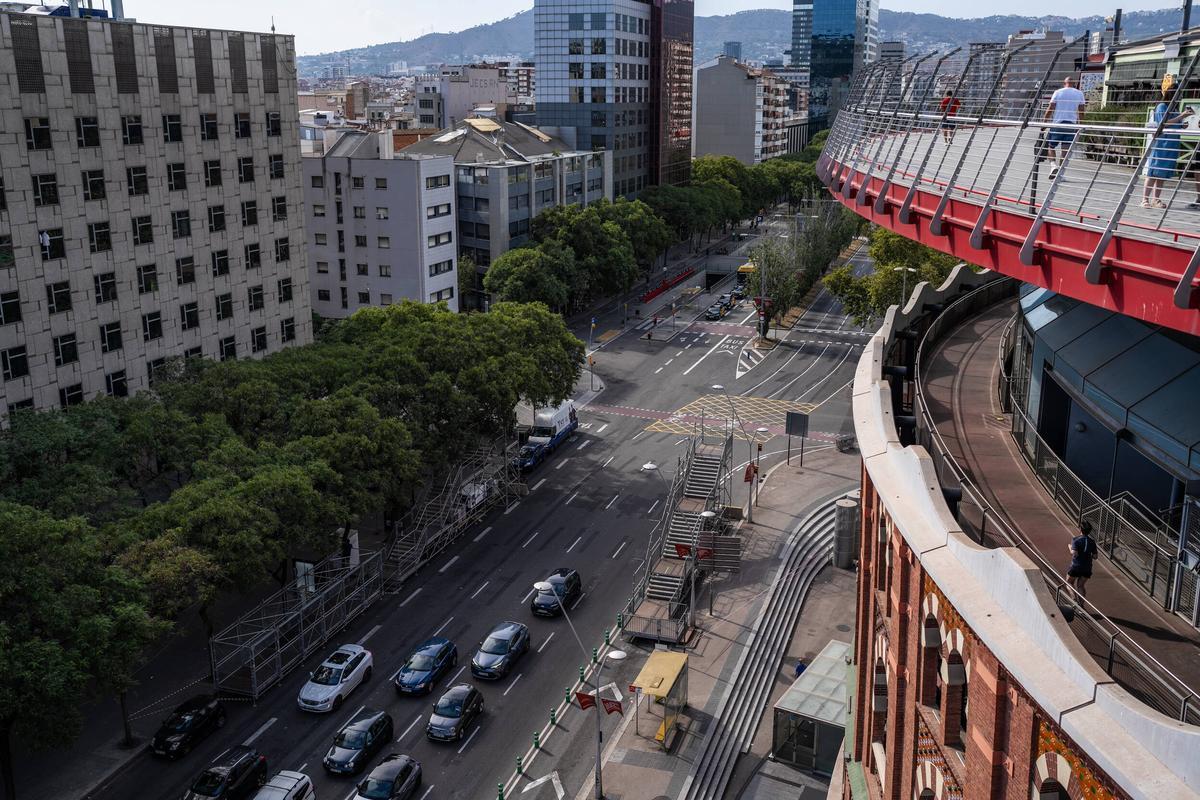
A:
{"points": [[339, 675], [287, 785]]}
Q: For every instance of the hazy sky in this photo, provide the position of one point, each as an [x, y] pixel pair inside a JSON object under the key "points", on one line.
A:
{"points": [[321, 26]]}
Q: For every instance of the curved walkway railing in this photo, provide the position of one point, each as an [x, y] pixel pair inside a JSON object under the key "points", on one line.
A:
{"points": [[1131, 666]]}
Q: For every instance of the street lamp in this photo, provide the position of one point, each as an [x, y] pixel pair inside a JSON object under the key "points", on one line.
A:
{"points": [[616, 655], [706, 517], [650, 466], [749, 447], [904, 284], [757, 480]]}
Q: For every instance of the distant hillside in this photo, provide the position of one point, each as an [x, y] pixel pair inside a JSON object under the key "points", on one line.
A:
{"points": [[764, 34]]}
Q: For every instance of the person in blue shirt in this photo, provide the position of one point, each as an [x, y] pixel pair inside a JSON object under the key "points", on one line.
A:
{"points": [[1083, 552], [1162, 164]]}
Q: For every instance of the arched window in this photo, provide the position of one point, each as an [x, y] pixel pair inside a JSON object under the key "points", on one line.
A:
{"points": [[953, 675], [931, 643], [1053, 790]]}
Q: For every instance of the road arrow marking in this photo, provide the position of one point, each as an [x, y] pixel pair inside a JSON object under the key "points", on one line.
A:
{"points": [[553, 778]]}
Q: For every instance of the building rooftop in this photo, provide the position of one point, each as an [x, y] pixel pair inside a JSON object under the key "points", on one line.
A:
{"points": [[487, 140]]}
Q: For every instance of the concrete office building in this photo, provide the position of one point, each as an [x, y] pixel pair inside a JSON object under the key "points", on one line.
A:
{"points": [[891, 51], [453, 92], [505, 175], [380, 225], [740, 112], [149, 203], [733, 50], [617, 75]]}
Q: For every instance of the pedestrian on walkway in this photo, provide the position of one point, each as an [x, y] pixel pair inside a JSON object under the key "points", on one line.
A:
{"points": [[949, 107], [1066, 104], [1083, 552], [1163, 162]]}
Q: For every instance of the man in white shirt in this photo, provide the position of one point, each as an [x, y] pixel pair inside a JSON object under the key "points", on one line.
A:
{"points": [[1065, 106]]}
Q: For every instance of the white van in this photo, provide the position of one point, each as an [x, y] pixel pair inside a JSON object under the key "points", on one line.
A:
{"points": [[287, 785]]}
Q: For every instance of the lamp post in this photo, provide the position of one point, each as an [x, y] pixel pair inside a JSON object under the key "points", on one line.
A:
{"points": [[651, 467], [615, 655], [758, 461], [904, 283], [706, 517], [749, 446]]}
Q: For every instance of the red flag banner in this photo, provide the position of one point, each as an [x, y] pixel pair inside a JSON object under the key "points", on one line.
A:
{"points": [[585, 700], [703, 553], [612, 705], [683, 550]]}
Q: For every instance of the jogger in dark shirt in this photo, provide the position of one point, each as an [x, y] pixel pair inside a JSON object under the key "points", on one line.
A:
{"points": [[1083, 552]]}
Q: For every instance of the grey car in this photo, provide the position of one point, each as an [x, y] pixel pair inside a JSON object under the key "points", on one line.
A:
{"points": [[454, 712], [397, 778], [496, 655]]}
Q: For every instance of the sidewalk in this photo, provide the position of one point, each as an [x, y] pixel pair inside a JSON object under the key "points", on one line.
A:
{"points": [[635, 767]]}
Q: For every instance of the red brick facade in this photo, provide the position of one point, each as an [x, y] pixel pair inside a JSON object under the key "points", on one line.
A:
{"points": [[937, 716]]}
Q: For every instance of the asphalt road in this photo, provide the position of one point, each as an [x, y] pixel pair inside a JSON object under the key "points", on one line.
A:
{"points": [[590, 508]]}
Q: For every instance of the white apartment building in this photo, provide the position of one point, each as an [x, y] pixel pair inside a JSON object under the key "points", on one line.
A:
{"points": [[739, 112], [380, 224], [149, 203], [453, 93]]}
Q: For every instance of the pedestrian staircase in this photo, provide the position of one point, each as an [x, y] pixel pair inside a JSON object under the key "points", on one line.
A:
{"points": [[704, 473], [664, 587]]}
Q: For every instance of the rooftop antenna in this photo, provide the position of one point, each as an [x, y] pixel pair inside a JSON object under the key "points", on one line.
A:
{"points": [[272, 23]]}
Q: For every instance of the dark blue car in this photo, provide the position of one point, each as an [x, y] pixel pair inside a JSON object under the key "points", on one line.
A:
{"points": [[426, 666]]}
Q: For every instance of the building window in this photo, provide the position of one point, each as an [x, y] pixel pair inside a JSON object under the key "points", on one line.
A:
{"points": [[598, 71], [45, 190], [444, 294], [384, 242], [185, 270], [193, 352], [439, 239], [345, 297], [172, 128], [360, 212], [381, 183], [599, 94], [7, 256], [53, 244], [356, 182], [437, 182], [99, 237], [440, 210], [87, 132], [181, 224], [253, 254], [361, 269], [364, 298], [137, 181], [323, 295], [287, 329], [599, 46], [381, 212], [106, 287], [110, 337], [441, 267], [360, 240], [385, 270], [216, 219], [258, 339], [176, 177], [285, 290], [224, 306], [131, 130], [189, 316], [212, 172], [599, 22], [37, 133], [10, 308], [254, 298], [14, 363], [154, 370], [147, 278], [249, 213], [275, 165], [208, 127], [115, 385], [279, 211], [273, 123], [152, 326], [228, 348], [322, 267], [575, 47], [58, 297], [282, 250], [575, 70], [318, 182], [70, 395], [241, 125], [143, 230], [220, 262], [245, 168], [318, 211]]}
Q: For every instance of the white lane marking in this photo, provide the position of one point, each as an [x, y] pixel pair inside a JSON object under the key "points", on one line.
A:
{"points": [[600, 430], [536, 485], [411, 725], [460, 672], [351, 795], [651, 511], [427, 791], [511, 685], [510, 508], [448, 564], [548, 638], [572, 497], [483, 533], [559, 794], [619, 549], [262, 729], [468, 741], [562, 463], [707, 353], [677, 355], [681, 441], [827, 376], [577, 541], [369, 634], [531, 538], [669, 360], [350, 718], [584, 444], [411, 596], [525, 599], [480, 589], [780, 391], [443, 627], [606, 463], [638, 436], [578, 600], [302, 766], [610, 502], [660, 369], [799, 350]]}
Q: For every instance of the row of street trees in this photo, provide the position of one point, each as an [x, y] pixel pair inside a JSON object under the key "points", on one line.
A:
{"points": [[117, 516]]}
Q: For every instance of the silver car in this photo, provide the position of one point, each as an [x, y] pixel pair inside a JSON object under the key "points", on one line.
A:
{"points": [[340, 674]]}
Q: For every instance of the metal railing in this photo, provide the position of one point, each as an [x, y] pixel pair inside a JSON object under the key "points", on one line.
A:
{"points": [[1130, 665]]}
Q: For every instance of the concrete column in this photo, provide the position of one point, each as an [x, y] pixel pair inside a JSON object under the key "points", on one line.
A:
{"points": [[846, 526]]}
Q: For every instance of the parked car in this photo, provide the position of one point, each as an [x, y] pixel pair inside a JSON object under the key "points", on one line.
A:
{"points": [[397, 778], [328, 685], [190, 722], [529, 457], [233, 776], [568, 587], [715, 311], [358, 741], [287, 785], [739, 291], [426, 665], [726, 300], [507, 642], [454, 712]]}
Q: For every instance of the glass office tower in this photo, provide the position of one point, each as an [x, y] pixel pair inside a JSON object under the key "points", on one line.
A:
{"points": [[802, 20], [671, 55], [845, 35]]}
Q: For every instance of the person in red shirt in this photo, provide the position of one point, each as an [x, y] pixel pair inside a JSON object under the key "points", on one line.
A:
{"points": [[949, 107]]}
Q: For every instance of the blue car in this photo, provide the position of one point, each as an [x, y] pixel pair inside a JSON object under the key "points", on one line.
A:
{"points": [[426, 666]]}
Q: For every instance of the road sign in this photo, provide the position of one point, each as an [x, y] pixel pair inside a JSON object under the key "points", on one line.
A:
{"points": [[797, 423]]}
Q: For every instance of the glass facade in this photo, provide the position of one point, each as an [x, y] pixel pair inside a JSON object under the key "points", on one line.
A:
{"points": [[844, 36], [802, 18], [672, 49]]}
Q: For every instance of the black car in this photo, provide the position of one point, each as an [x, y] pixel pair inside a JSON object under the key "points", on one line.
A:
{"points": [[454, 712], [507, 642], [715, 311], [726, 300], [397, 778], [357, 742], [235, 775], [567, 586], [189, 723], [432, 659]]}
